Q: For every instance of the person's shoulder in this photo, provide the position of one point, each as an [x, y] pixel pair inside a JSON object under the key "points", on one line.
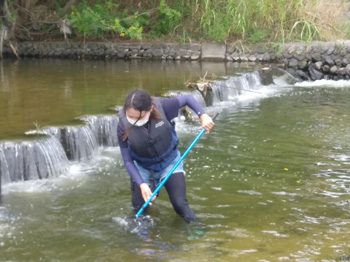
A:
{"points": [[168, 99], [120, 126], [169, 102]]}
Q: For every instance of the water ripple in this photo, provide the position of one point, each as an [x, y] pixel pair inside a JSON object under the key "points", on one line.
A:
{"points": [[283, 193], [275, 233], [249, 192], [333, 194], [6, 227]]}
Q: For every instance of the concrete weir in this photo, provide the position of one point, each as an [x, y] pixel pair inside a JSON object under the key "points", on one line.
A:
{"points": [[48, 152]]}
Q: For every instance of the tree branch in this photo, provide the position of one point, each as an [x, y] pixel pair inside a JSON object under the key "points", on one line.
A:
{"points": [[66, 8]]}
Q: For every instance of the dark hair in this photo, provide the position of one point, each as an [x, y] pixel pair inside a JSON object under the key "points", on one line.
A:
{"points": [[141, 101]]}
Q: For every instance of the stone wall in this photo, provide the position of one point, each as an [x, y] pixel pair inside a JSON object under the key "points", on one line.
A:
{"points": [[317, 60]]}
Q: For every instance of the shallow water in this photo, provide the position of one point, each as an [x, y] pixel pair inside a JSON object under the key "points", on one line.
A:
{"points": [[269, 183]]}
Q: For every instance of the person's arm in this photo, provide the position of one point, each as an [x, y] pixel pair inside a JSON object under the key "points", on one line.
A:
{"points": [[128, 161], [172, 106], [130, 165], [191, 102]]}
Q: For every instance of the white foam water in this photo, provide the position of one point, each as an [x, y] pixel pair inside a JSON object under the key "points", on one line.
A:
{"points": [[324, 83], [74, 177], [135, 224]]}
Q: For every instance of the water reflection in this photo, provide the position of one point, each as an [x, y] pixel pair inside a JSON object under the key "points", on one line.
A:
{"points": [[54, 92]]}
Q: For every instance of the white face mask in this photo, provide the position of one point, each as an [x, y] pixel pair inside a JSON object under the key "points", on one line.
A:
{"points": [[139, 122]]}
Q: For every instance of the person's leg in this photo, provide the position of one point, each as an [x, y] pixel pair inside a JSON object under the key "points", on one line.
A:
{"points": [[176, 188]]}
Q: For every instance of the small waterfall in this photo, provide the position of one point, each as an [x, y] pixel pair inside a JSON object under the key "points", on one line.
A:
{"points": [[49, 156], [4, 170], [79, 142], [229, 88], [104, 128], [27, 160], [234, 86]]}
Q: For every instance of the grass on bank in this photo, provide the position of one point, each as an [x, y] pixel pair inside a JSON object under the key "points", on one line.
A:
{"points": [[249, 21], [268, 20]]}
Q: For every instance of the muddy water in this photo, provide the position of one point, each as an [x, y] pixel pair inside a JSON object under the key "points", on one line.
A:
{"points": [[270, 183], [39, 93]]}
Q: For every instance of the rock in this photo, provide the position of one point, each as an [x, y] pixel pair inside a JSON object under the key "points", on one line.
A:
{"points": [[109, 52], [171, 52], [213, 52], [157, 53], [341, 71], [299, 57], [287, 55], [292, 71], [259, 57], [266, 57], [293, 63], [184, 53], [205, 89], [302, 64], [316, 57], [266, 75], [315, 74], [318, 65], [302, 75], [275, 75], [331, 50], [326, 68], [329, 60], [347, 69], [251, 58], [244, 58], [122, 53], [273, 56], [195, 55], [338, 62], [147, 53], [235, 56], [333, 70]]}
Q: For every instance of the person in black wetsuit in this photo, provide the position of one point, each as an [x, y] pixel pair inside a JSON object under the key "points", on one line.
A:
{"points": [[148, 144]]}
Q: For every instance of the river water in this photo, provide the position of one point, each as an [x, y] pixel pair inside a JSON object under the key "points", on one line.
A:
{"points": [[269, 183]]}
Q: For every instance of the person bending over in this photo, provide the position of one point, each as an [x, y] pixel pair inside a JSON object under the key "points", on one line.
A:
{"points": [[148, 144]]}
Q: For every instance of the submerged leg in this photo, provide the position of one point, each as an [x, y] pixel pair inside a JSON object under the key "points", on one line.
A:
{"points": [[176, 187]]}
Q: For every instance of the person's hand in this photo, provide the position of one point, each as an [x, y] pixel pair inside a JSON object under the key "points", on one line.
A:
{"points": [[207, 122], [146, 192]]}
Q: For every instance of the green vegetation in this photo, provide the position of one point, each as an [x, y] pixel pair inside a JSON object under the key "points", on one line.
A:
{"points": [[103, 18], [249, 21], [167, 19]]}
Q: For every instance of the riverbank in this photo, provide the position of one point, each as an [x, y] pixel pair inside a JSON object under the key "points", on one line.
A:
{"points": [[306, 61]]}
